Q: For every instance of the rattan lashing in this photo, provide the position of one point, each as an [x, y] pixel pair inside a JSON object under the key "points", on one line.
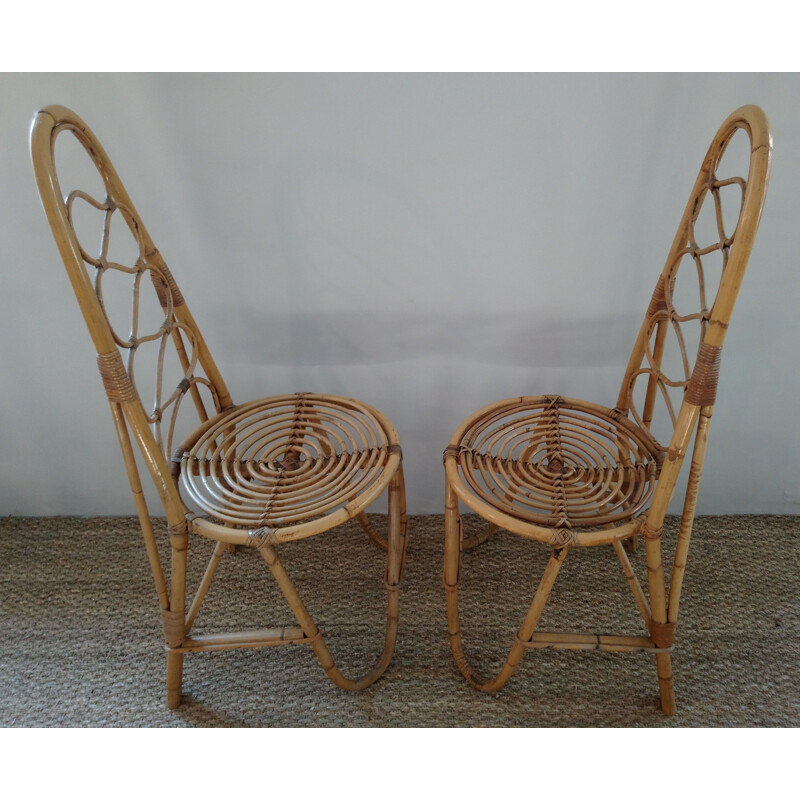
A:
{"points": [[258, 474], [570, 473]]}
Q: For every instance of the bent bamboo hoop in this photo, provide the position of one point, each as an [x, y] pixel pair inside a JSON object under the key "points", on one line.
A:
{"points": [[259, 474], [570, 473]]}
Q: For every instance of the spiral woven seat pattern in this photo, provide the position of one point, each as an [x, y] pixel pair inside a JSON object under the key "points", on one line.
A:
{"points": [[288, 459], [557, 462]]}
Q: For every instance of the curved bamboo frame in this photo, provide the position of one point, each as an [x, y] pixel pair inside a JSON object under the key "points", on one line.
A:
{"points": [[569, 473], [269, 472]]}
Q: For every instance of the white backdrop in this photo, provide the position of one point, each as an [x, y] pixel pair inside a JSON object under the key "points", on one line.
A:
{"points": [[426, 243]]}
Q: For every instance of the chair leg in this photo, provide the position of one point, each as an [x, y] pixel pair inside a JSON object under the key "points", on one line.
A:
{"points": [[665, 683], [175, 619], [174, 679], [452, 575], [395, 561]]}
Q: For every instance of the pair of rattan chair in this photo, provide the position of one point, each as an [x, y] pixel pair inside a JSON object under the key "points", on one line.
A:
{"points": [[563, 472]]}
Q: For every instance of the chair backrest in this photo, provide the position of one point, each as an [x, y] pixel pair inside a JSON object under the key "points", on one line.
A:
{"points": [[676, 356], [161, 343], [691, 306]]}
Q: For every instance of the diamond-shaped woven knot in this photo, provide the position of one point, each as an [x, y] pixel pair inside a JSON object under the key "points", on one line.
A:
{"points": [[563, 537], [260, 536]]}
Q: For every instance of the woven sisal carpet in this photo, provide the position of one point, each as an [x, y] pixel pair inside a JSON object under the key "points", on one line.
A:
{"points": [[81, 643]]}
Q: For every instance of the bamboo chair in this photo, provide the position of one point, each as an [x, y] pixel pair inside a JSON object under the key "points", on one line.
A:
{"points": [[569, 473], [259, 474]]}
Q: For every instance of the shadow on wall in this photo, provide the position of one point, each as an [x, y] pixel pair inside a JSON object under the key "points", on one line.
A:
{"points": [[361, 266], [355, 337]]}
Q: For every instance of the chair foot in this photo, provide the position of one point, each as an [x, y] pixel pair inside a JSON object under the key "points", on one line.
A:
{"points": [[665, 683], [174, 679], [173, 698]]}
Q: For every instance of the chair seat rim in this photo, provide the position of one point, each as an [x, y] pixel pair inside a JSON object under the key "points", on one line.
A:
{"points": [[224, 522], [579, 532]]}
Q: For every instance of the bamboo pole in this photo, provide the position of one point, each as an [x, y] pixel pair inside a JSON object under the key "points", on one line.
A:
{"points": [[265, 637], [687, 517], [453, 547], [141, 506], [219, 549], [589, 641], [633, 582]]}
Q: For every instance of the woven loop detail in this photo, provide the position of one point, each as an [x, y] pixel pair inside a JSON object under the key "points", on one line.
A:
{"points": [[117, 382], [702, 388], [662, 634], [173, 628]]}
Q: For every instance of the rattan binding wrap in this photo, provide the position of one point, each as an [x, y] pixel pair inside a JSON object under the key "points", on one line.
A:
{"points": [[167, 290], [117, 382], [702, 388]]}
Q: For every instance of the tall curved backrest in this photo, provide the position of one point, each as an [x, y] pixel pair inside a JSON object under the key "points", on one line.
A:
{"points": [[731, 205], [151, 282]]}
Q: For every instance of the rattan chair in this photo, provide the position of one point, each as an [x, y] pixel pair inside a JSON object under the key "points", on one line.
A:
{"points": [[258, 474], [568, 473]]}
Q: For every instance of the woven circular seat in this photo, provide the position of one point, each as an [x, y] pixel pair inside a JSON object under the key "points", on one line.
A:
{"points": [[285, 460], [556, 462]]}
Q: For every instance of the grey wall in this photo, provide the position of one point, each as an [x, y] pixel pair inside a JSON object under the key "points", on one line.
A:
{"points": [[427, 243]]}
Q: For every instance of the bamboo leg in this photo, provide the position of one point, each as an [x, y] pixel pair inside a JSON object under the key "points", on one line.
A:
{"points": [[633, 582], [658, 613], [180, 542], [666, 683], [395, 561], [141, 506], [174, 679], [687, 518], [219, 549], [368, 528], [452, 570]]}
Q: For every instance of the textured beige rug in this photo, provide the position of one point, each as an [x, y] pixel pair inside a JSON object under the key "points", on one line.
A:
{"points": [[81, 643]]}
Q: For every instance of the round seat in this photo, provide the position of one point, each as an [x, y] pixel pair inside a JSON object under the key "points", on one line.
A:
{"points": [[553, 463], [286, 460]]}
